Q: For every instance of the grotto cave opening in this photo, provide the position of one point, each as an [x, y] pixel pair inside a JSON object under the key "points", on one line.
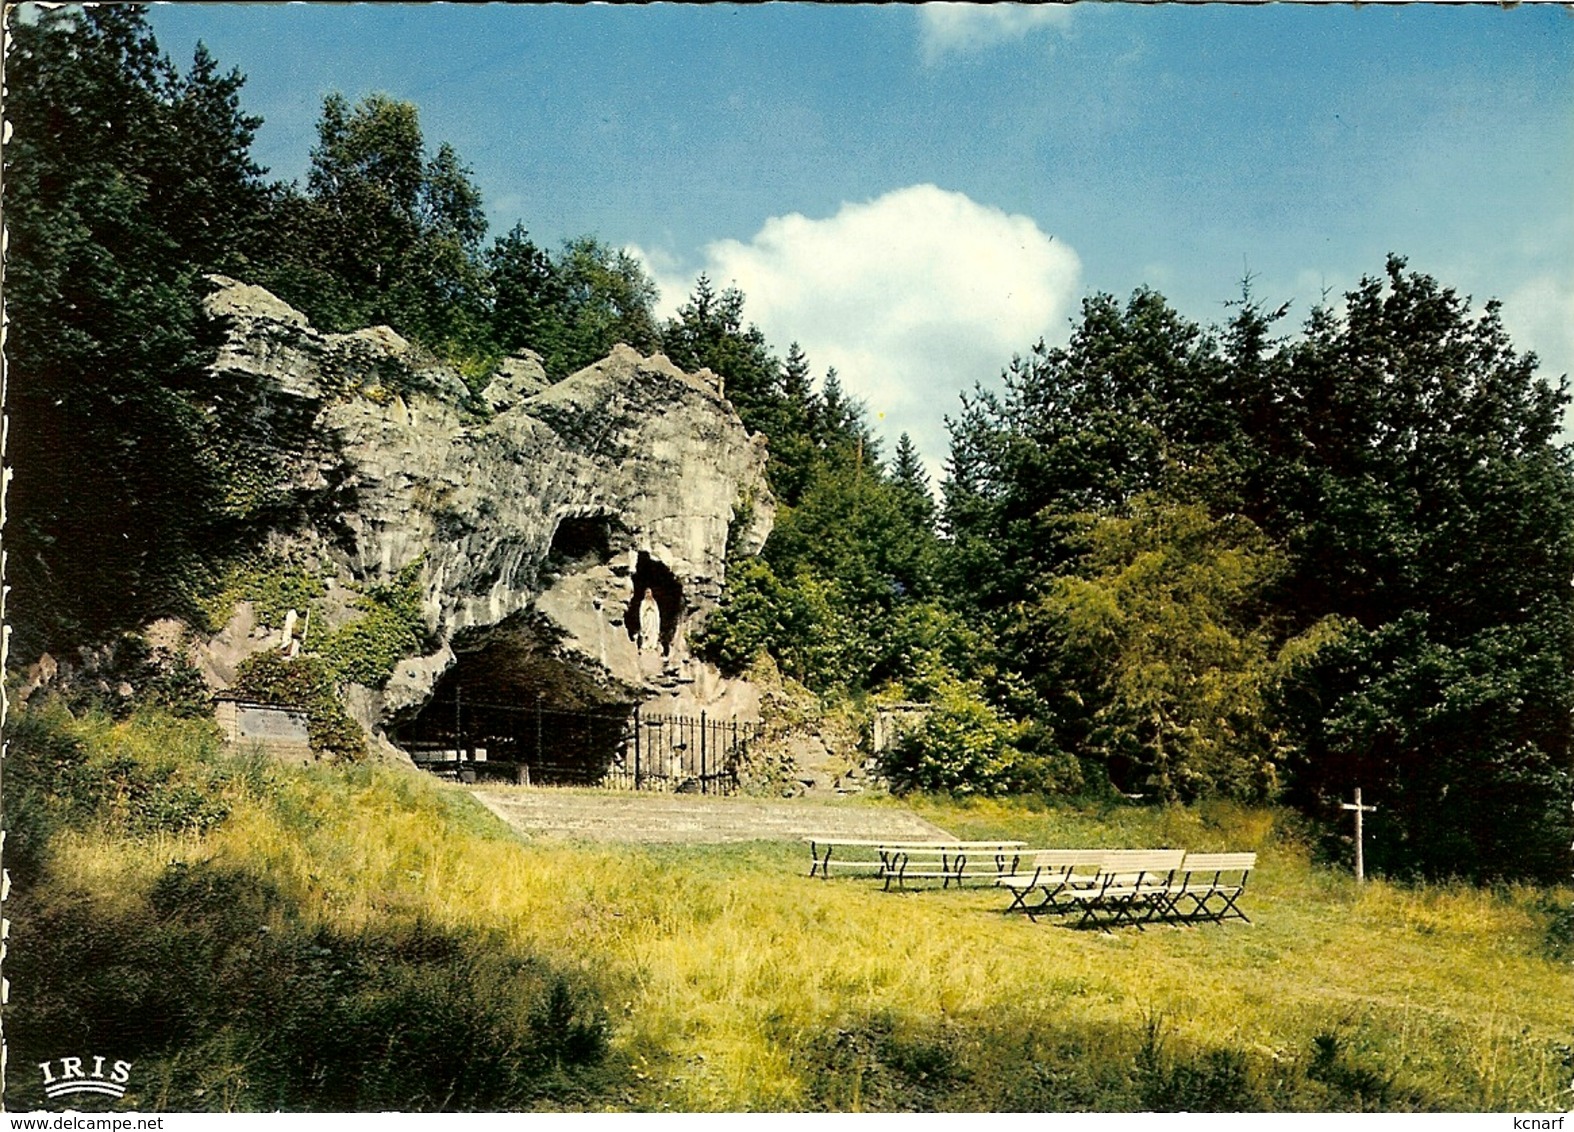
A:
{"points": [[509, 702]]}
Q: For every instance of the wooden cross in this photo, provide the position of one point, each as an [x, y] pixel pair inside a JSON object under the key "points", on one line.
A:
{"points": [[1360, 865]]}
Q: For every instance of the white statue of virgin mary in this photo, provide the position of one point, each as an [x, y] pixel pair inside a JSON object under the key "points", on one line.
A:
{"points": [[649, 623]]}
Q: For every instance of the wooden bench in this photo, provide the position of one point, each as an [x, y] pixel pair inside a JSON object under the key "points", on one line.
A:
{"points": [[856, 856], [1203, 878], [947, 860], [1128, 882], [1052, 872]]}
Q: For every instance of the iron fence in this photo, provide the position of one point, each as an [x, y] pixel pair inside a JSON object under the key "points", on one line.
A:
{"points": [[680, 753], [623, 749]]}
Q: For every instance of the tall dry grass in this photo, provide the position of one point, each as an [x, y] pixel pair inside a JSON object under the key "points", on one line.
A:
{"points": [[733, 981]]}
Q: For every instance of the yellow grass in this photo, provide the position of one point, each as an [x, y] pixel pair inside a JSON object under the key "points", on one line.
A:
{"points": [[730, 973]]}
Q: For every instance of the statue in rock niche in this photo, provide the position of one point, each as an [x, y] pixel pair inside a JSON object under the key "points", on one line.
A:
{"points": [[649, 623]]}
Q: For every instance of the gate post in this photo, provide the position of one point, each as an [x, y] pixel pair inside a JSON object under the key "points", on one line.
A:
{"points": [[704, 786], [638, 727]]}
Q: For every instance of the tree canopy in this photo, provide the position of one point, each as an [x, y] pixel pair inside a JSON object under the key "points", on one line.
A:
{"points": [[126, 181], [1401, 461], [384, 232], [1168, 559]]}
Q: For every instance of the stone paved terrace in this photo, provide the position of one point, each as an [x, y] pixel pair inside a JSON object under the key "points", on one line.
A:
{"points": [[620, 816]]}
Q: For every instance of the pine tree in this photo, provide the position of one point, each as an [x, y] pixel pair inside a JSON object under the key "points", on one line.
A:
{"points": [[709, 333], [527, 296], [790, 424], [836, 415], [800, 407], [910, 481], [209, 194]]}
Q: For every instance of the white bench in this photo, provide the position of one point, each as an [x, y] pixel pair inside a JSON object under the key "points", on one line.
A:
{"points": [[949, 861], [1128, 881], [1050, 872], [843, 853], [1203, 878]]}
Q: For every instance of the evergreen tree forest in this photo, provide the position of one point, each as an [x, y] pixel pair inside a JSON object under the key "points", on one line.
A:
{"points": [[1167, 561]]}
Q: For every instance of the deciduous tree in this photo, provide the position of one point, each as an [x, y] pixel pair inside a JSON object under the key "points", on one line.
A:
{"points": [[125, 182]]}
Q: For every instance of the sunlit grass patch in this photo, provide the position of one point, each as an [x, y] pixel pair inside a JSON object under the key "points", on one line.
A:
{"points": [[728, 979]]}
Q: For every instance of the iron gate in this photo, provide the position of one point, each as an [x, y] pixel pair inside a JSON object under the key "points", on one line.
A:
{"points": [[681, 753]]}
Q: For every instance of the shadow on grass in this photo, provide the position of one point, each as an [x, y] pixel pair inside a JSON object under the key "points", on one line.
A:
{"points": [[882, 1063], [223, 999]]}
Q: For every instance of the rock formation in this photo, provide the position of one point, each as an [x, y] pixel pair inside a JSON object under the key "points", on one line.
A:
{"points": [[571, 535]]}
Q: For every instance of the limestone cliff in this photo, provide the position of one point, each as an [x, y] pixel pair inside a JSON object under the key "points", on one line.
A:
{"points": [[571, 535]]}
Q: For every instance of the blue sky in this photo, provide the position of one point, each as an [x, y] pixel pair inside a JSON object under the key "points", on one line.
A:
{"points": [[915, 193]]}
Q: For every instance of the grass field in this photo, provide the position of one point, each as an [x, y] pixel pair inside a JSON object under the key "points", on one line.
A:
{"points": [[701, 977]]}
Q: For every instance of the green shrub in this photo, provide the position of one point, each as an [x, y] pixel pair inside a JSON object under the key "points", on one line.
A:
{"points": [[151, 774], [1215, 1080], [477, 365], [1332, 1064], [392, 627], [411, 1017], [877, 1064], [806, 621], [225, 988], [756, 611], [967, 746], [273, 584], [176, 685], [1558, 915], [307, 683], [224, 996], [128, 673], [891, 1062], [43, 775]]}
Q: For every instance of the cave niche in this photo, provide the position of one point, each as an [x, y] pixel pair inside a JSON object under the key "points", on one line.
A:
{"points": [[654, 579], [580, 542]]}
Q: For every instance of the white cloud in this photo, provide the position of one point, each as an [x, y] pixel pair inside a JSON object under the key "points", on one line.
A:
{"points": [[968, 28], [1539, 316], [913, 297]]}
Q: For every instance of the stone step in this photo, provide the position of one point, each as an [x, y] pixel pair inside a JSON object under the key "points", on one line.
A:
{"points": [[626, 816]]}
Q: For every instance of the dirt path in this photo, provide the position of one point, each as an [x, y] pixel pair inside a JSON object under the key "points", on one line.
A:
{"points": [[613, 816]]}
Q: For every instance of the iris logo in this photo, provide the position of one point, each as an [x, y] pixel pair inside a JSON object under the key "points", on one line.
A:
{"points": [[71, 1077]]}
